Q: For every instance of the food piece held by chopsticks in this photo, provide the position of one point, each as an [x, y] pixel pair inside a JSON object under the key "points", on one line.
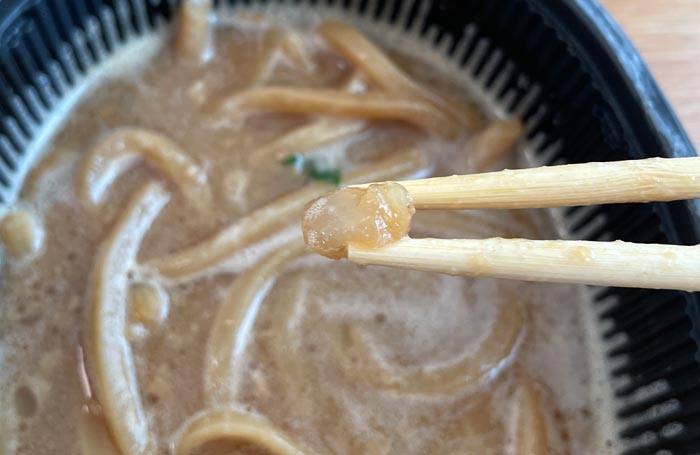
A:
{"points": [[353, 223], [370, 217]]}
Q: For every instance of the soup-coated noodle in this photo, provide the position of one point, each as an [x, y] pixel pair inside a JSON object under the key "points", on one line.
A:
{"points": [[161, 237]]}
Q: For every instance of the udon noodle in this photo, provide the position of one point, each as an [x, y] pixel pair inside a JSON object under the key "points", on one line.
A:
{"points": [[161, 238], [114, 370], [116, 153]]}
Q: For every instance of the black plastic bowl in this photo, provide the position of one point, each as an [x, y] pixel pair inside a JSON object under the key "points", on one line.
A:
{"points": [[596, 102]]}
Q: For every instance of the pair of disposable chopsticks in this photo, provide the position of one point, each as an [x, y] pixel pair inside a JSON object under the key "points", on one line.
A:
{"points": [[586, 262]]}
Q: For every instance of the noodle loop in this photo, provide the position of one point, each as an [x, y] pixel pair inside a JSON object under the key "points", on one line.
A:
{"points": [[237, 427], [493, 351], [120, 150]]}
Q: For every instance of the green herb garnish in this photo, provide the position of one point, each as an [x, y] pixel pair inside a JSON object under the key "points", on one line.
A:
{"points": [[331, 176], [291, 160], [311, 169]]}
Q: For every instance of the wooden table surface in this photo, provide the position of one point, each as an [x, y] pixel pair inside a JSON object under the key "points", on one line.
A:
{"points": [[667, 34]]}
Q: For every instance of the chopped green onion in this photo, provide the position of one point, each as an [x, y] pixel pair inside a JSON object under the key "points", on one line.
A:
{"points": [[291, 160], [331, 176], [312, 170]]}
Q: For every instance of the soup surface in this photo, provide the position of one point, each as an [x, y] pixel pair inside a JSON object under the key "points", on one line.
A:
{"points": [[157, 297]]}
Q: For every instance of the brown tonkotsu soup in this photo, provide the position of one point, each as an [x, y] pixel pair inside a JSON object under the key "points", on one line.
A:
{"points": [[157, 296]]}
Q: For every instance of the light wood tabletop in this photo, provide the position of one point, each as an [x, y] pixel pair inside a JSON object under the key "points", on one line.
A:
{"points": [[667, 34]]}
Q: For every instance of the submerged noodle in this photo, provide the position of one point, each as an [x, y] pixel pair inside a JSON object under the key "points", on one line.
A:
{"points": [[493, 350], [234, 318], [531, 431], [112, 364], [237, 427]]}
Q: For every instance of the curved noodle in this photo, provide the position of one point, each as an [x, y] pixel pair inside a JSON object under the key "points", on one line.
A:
{"points": [[339, 103], [121, 149], [493, 350], [234, 321], [276, 215], [237, 426], [382, 72], [113, 364], [193, 39], [531, 433]]}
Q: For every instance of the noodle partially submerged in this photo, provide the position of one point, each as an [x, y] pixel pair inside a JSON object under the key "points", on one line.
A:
{"points": [[375, 106], [495, 349], [120, 150], [236, 427], [307, 138], [531, 433], [114, 372], [382, 72], [234, 320], [193, 38], [275, 216]]}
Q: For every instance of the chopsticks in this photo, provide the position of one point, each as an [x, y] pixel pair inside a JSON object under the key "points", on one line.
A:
{"points": [[584, 262], [558, 261], [653, 179]]}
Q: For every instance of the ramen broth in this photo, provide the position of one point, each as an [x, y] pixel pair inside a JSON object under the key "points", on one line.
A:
{"points": [[157, 297]]}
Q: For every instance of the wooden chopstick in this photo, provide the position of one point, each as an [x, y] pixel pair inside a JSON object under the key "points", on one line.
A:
{"points": [[653, 179], [565, 261]]}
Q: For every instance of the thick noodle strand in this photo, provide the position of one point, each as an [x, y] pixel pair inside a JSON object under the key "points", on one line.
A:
{"points": [[338, 103], [121, 149], [193, 38], [493, 350], [274, 216], [384, 73], [234, 320], [235, 426], [113, 364]]}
